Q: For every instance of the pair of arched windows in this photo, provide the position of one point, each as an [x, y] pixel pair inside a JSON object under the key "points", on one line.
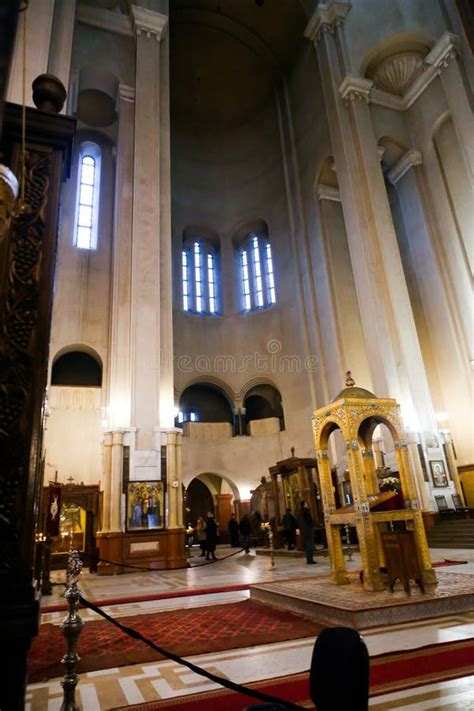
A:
{"points": [[199, 269]]}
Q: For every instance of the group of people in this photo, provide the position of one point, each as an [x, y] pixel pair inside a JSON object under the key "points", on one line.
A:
{"points": [[240, 532], [206, 532]]}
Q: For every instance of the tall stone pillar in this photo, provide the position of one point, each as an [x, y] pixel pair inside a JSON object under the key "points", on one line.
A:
{"points": [[445, 57], [60, 49], [120, 387], [394, 353], [146, 307], [116, 481], [39, 22], [107, 491]]}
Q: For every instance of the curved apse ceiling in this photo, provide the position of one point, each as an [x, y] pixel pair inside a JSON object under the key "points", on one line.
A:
{"points": [[225, 55]]}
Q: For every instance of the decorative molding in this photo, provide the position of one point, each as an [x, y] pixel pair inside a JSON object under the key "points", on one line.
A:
{"points": [[326, 18], [125, 93], [104, 19], [328, 192], [444, 51], [355, 88], [149, 23], [397, 73], [409, 160]]}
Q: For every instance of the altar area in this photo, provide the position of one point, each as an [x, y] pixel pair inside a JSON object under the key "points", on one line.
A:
{"points": [[351, 606], [396, 582]]}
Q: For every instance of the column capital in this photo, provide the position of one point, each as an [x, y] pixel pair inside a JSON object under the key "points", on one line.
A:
{"points": [[445, 50], [409, 160], [149, 23], [326, 18], [126, 93], [328, 192], [355, 88]]}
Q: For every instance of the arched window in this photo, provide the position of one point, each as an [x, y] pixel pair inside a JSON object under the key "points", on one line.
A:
{"points": [[87, 203], [256, 270], [77, 368], [199, 260]]}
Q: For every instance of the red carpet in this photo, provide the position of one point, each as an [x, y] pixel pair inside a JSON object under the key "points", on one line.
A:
{"points": [[189, 592], [185, 632], [446, 561], [388, 672]]}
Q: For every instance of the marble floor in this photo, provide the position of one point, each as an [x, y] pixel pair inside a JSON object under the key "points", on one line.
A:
{"points": [[110, 688]]}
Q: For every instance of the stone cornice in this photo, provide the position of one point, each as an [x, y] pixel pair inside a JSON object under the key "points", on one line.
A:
{"points": [[409, 160], [326, 18], [328, 192], [445, 49], [354, 88], [149, 23], [104, 19]]}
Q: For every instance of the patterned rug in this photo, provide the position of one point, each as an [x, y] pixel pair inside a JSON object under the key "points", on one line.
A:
{"points": [[388, 673], [185, 632]]}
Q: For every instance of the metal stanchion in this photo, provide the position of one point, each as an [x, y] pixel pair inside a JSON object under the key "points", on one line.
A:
{"points": [[71, 628], [272, 550], [348, 541]]}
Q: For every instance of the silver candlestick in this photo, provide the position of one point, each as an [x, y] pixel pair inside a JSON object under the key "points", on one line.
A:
{"points": [[71, 628]]}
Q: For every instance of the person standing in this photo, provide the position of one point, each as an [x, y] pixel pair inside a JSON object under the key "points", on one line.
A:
{"points": [[211, 536], [244, 527], [289, 528], [234, 532], [201, 535], [306, 526]]}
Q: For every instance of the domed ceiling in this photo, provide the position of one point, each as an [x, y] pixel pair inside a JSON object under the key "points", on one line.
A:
{"points": [[226, 54]]}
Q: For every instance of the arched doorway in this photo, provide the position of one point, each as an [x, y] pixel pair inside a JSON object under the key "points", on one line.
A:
{"points": [[211, 492]]}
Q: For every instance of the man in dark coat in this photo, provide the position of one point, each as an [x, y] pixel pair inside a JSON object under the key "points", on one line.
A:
{"points": [[234, 532], [211, 536], [244, 527], [306, 526], [289, 528]]}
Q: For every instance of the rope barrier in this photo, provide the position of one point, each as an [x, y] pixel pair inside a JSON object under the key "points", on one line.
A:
{"points": [[193, 667], [152, 570]]}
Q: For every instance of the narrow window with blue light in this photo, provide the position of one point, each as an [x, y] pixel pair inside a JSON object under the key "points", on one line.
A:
{"points": [[87, 203], [199, 274], [256, 271]]}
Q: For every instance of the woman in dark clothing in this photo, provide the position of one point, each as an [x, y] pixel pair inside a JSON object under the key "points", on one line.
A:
{"points": [[289, 529], [234, 532], [211, 536], [306, 526], [244, 527], [339, 675]]}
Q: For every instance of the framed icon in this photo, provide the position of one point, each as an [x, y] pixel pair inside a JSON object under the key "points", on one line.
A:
{"points": [[145, 505], [438, 473]]}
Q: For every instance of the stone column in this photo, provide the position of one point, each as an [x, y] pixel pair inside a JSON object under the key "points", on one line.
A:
{"points": [[453, 467], [420, 482], [432, 307], [173, 440], [146, 311], [120, 374], [39, 22], [445, 57], [387, 319], [116, 481], [60, 49], [107, 491]]}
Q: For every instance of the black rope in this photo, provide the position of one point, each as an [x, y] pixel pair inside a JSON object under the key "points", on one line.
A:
{"points": [[152, 570], [193, 667]]}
